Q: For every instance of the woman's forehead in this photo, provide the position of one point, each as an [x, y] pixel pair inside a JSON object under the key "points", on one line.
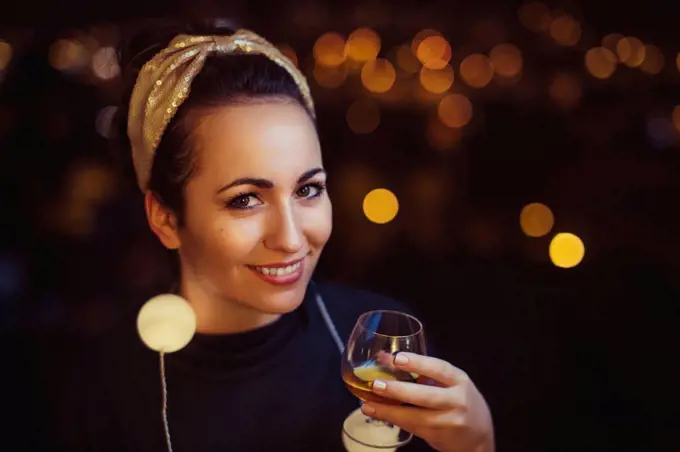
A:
{"points": [[271, 140]]}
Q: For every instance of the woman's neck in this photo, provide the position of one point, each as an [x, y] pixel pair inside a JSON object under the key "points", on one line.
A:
{"points": [[217, 315]]}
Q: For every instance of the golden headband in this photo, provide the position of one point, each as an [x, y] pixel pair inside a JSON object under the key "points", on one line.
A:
{"points": [[165, 82]]}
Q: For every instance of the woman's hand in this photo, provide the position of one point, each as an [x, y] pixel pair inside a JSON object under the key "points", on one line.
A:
{"points": [[451, 415]]}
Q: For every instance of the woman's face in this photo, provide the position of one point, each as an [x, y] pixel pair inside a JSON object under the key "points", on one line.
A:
{"points": [[257, 214]]}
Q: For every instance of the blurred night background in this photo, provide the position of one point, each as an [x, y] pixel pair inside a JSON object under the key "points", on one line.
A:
{"points": [[513, 135]]}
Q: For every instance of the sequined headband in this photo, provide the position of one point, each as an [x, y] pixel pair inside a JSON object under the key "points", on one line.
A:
{"points": [[165, 82]]}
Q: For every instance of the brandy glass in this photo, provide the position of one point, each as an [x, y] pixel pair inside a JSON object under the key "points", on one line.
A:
{"points": [[376, 339]]}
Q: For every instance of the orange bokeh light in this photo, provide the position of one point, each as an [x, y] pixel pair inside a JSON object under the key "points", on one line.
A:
{"points": [[565, 30], [600, 62], [436, 81], [631, 51], [378, 76], [566, 90], [434, 52], [535, 16], [507, 60], [455, 111], [363, 45], [654, 60], [329, 50], [476, 70]]}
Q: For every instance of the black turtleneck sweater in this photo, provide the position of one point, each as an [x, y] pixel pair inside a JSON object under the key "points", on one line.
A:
{"points": [[277, 388]]}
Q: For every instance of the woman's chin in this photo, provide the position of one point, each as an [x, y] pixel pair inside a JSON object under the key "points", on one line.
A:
{"points": [[281, 302]]}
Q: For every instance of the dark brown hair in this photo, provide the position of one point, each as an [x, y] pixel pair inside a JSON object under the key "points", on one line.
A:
{"points": [[224, 80]]}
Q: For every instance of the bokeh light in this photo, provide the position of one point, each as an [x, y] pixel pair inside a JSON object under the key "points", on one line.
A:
{"points": [[363, 45], [661, 131], [166, 323], [677, 61], [565, 30], [68, 55], [330, 50], [566, 90], [330, 77], [476, 70], [406, 60], [506, 60], [441, 137], [654, 60], [363, 116], [600, 62], [6, 54], [455, 110], [105, 63], [631, 51], [536, 219], [420, 37], [566, 250], [289, 53], [380, 206], [434, 52], [676, 118], [104, 122], [378, 76], [610, 41], [535, 16], [436, 81]]}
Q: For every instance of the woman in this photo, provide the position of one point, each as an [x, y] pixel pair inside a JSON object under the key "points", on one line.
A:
{"points": [[223, 138]]}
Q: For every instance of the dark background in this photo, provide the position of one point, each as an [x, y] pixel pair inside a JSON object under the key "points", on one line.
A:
{"points": [[580, 359]]}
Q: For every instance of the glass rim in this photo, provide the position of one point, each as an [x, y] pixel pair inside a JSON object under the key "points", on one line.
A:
{"points": [[390, 311]]}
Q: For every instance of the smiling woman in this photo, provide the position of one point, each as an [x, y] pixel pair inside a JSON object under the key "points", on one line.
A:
{"points": [[223, 139]]}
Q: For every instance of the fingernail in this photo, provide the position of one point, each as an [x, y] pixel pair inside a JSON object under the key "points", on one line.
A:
{"points": [[400, 360], [379, 385], [368, 410]]}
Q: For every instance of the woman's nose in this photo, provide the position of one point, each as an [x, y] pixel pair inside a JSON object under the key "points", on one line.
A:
{"points": [[285, 232]]}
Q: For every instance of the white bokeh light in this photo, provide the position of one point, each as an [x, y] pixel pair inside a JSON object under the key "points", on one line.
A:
{"points": [[166, 323]]}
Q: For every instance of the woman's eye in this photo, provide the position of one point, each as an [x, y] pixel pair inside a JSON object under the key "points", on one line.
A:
{"points": [[245, 201], [310, 190]]}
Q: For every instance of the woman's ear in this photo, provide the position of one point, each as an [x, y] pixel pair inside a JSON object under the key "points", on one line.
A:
{"points": [[163, 222]]}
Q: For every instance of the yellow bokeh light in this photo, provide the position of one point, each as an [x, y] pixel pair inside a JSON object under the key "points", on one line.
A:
{"points": [[631, 51], [363, 45], [507, 60], [68, 54], [535, 16], [378, 75], [566, 250], [406, 60], [363, 116], [420, 37], [5, 54], [441, 137], [654, 60], [536, 220], [329, 50], [600, 62], [436, 81], [565, 30], [566, 90], [289, 53], [330, 77], [476, 70], [434, 52], [676, 118], [380, 206], [455, 110]]}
